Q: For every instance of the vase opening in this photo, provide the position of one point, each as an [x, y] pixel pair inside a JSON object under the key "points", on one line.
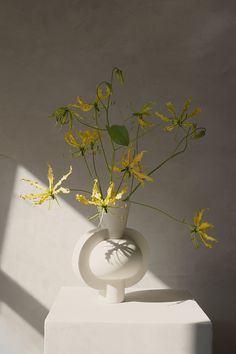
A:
{"points": [[115, 220]]}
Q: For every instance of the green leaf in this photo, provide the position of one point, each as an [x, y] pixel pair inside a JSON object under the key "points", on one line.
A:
{"points": [[119, 134], [119, 75]]}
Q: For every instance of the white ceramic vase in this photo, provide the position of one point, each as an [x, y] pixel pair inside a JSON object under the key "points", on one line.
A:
{"points": [[111, 257]]}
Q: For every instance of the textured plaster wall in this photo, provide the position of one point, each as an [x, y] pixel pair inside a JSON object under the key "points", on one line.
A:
{"points": [[50, 51]]}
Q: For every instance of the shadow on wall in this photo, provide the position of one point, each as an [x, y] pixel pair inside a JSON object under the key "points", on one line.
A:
{"points": [[24, 304], [11, 293]]}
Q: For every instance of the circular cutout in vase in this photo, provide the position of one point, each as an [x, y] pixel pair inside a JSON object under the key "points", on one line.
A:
{"points": [[113, 257]]}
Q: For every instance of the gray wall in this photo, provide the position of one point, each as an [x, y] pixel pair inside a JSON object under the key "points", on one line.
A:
{"points": [[52, 51]]}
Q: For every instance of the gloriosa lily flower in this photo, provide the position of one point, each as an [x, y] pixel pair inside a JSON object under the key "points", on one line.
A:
{"points": [[144, 112], [181, 120], [201, 228], [47, 193], [88, 139], [98, 200], [131, 166], [103, 92]]}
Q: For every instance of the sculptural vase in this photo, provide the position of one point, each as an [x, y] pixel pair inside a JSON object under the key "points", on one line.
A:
{"points": [[111, 257]]}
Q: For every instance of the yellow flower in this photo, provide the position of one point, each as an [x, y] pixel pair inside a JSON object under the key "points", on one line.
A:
{"points": [[85, 107], [96, 198], [145, 111], [71, 140], [47, 193], [201, 228], [131, 166], [181, 120], [88, 139], [144, 123], [104, 90]]}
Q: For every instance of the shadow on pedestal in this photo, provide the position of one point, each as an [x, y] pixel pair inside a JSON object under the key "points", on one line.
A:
{"points": [[158, 295]]}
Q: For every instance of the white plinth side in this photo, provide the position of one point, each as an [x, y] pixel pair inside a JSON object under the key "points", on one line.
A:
{"points": [[149, 322]]}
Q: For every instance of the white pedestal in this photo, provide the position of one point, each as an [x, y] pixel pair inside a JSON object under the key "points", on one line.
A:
{"points": [[149, 322]]}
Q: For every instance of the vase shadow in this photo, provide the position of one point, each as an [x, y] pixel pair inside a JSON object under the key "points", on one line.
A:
{"points": [[158, 295]]}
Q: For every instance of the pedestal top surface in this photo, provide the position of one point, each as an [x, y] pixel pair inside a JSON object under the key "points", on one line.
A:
{"points": [[163, 306]]}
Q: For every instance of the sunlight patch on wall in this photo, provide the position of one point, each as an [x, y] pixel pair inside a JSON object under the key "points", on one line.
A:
{"points": [[38, 243]]}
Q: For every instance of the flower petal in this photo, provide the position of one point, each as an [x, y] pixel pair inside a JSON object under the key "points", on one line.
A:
{"points": [[71, 140], [62, 190], [138, 158], [85, 107], [205, 226], [119, 195], [96, 194], [62, 179], [82, 199], [110, 198], [198, 217], [50, 176], [35, 184]]}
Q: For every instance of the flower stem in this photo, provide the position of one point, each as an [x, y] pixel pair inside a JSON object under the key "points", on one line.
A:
{"points": [[88, 168], [100, 140], [79, 190], [90, 126], [122, 179], [162, 212]]}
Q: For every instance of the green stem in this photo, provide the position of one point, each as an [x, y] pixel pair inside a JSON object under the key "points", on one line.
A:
{"points": [[137, 148], [79, 190], [122, 179], [88, 168], [101, 143], [162, 212], [112, 160], [112, 145], [90, 126], [137, 137]]}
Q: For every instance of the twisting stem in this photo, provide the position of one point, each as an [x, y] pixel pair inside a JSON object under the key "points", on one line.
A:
{"points": [[162, 212]]}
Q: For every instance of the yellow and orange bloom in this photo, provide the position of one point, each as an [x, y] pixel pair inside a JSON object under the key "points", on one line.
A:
{"points": [[98, 200], [131, 166], [201, 229], [49, 193]]}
